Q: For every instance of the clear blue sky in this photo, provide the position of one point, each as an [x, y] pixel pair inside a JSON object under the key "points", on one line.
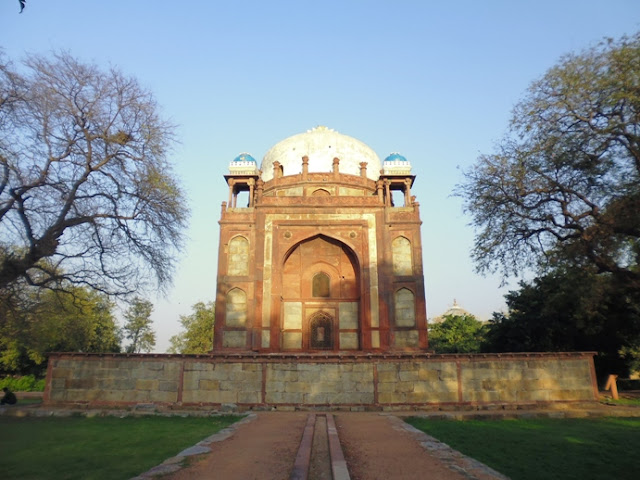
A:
{"points": [[435, 81]]}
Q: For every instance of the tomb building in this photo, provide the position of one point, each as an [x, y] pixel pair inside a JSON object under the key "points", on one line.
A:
{"points": [[320, 305], [320, 251]]}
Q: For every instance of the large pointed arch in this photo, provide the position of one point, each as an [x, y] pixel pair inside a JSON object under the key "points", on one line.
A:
{"points": [[321, 274]]}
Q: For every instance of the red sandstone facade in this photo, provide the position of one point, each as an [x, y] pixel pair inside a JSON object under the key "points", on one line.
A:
{"points": [[319, 261]]}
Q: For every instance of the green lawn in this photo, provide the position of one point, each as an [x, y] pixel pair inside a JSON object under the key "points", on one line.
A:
{"points": [[98, 448], [548, 449]]}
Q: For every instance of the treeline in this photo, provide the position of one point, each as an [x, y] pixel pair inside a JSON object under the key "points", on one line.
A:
{"points": [[37, 322], [70, 319], [563, 311], [78, 319]]}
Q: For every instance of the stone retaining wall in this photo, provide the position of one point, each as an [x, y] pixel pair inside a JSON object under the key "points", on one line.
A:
{"points": [[292, 381]]}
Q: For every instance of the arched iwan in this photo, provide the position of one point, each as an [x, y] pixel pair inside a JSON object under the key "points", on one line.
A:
{"points": [[320, 274]]}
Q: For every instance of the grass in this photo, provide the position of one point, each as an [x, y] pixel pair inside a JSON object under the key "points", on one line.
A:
{"points": [[635, 402], [98, 448], [547, 449], [29, 401]]}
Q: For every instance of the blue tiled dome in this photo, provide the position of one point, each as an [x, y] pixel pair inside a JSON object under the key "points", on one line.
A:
{"points": [[244, 157], [395, 157]]}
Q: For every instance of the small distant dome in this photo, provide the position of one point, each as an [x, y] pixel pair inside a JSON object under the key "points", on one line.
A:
{"points": [[244, 157], [396, 157], [454, 311]]}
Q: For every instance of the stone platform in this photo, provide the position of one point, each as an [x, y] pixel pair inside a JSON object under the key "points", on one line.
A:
{"points": [[320, 381]]}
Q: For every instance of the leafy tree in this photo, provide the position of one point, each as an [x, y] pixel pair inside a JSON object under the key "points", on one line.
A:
{"points": [[75, 320], [138, 326], [570, 310], [457, 334], [564, 184], [631, 355], [87, 195], [197, 336]]}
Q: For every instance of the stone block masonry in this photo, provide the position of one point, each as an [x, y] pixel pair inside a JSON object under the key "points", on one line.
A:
{"points": [[363, 381]]}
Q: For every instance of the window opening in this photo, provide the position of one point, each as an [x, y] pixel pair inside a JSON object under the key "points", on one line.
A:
{"points": [[397, 198], [242, 199]]}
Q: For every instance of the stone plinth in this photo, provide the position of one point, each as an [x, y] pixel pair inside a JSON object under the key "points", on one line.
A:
{"points": [[370, 381]]}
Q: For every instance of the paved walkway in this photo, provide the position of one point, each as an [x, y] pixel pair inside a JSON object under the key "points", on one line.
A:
{"points": [[376, 447], [383, 447], [261, 449]]}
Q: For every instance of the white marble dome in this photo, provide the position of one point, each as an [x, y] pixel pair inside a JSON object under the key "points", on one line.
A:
{"points": [[321, 145]]}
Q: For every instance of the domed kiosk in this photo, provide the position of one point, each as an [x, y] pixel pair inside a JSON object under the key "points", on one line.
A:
{"points": [[323, 253]]}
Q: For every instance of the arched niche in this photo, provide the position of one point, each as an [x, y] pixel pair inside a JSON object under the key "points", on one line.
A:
{"points": [[236, 308], [402, 256], [321, 285], [405, 308], [238, 256]]}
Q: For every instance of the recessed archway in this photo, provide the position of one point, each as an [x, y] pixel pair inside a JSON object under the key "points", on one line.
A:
{"points": [[321, 279]]}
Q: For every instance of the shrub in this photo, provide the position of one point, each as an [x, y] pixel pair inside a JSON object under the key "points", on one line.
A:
{"points": [[28, 383]]}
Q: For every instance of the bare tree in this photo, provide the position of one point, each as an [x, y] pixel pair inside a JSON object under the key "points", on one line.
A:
{"points": [[87, 194]]}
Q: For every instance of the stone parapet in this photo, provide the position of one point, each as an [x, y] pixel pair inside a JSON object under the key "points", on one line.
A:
{"points": [[371, 381]]}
